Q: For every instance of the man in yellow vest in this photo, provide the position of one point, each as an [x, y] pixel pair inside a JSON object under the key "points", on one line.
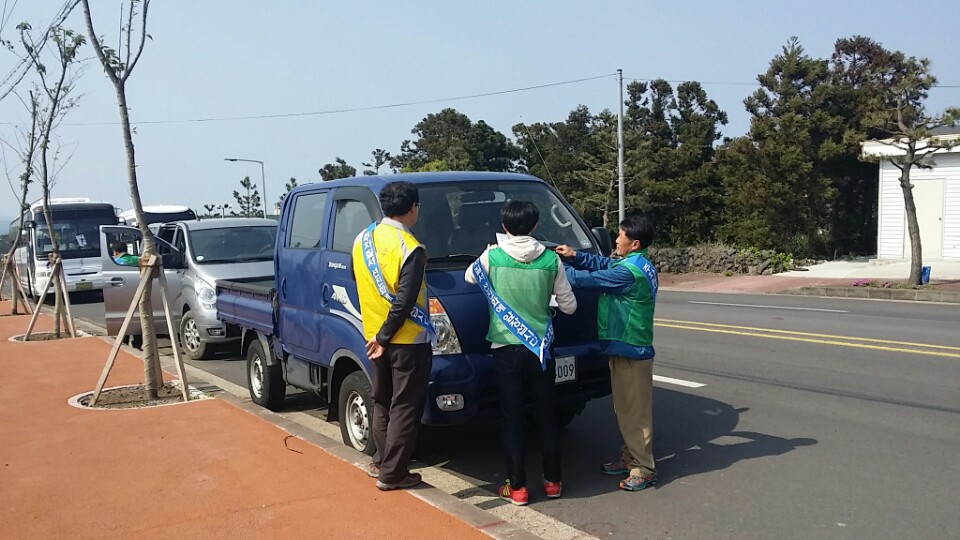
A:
{"points": [[389, 264]]}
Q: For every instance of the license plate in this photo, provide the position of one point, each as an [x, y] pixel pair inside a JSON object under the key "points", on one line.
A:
{"points": [[84, 286], [566, 369]]}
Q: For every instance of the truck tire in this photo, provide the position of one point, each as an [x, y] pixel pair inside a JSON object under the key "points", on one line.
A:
{"points": [[265, 383], [356, 412], [195, 348]]}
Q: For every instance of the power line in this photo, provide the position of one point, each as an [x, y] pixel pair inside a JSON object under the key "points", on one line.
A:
{"points": [[731, 83], [348, 110], [25, 61]]}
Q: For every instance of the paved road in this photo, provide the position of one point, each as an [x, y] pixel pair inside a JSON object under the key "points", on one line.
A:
{"points": [[818, 418]]}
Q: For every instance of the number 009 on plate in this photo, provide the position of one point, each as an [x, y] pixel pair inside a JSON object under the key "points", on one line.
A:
{"points": [[566, 369]]}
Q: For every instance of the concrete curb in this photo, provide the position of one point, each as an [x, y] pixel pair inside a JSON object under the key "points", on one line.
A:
{"points": [[876, 293]]}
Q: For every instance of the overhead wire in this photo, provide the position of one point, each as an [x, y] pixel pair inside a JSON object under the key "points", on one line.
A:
{"points": [[23, 66], [348, 110]]}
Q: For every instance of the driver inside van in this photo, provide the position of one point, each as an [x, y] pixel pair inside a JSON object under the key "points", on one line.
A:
{"points": [[121, 257]]}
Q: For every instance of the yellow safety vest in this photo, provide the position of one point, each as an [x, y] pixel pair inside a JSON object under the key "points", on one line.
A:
{"points": [[393, 247]]}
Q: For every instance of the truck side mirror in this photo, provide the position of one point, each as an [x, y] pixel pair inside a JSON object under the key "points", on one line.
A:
{"points": [[604, 245], [172, 260], [30, 224]]}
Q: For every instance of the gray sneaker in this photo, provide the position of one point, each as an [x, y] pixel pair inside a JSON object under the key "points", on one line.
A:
{"points": [[373, 470], [615, 467], [410, 481]]}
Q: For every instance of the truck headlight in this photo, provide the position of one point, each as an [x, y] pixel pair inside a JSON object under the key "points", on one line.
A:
{"points": [[447, 340], [206, 295]]}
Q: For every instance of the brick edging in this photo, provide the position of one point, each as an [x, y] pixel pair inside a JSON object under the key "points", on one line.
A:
{"points": [[877, 293]]}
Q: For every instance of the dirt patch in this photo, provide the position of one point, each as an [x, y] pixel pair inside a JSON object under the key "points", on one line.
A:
{"points": [[44, 336], [132, 397], [902, 284]]}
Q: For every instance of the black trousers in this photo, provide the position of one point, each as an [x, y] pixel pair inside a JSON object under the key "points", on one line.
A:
{"points": [[516, 367], [400, 379]]}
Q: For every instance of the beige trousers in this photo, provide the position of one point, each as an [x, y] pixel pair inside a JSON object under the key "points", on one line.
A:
{"points": [[632, 383]]}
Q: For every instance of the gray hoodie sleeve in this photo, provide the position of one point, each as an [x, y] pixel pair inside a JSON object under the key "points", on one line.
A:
{"points": [[566, 300]]}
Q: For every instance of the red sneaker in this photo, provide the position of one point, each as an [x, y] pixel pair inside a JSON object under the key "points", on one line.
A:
{"points": [[552, 489], [518, 496]]}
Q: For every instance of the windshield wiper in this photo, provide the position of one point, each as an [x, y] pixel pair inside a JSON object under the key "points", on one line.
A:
{"points": [[455, 257], [216, 261]]}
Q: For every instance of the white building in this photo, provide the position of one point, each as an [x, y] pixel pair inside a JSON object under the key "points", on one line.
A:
{"points": [[936, 193]]}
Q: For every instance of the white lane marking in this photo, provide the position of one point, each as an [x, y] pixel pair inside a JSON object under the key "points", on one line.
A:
{"points": [[770, 307], [678, 382]]}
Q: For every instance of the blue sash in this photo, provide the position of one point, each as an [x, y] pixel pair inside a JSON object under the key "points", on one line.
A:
{"points": [[648, 270], [417, 314], [514, 322]]}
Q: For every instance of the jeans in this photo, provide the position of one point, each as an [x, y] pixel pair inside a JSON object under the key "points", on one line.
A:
{"points": [[516, 365]]}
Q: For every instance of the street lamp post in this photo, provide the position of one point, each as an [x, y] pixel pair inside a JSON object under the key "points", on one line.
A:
{"points": [[263, 178]]}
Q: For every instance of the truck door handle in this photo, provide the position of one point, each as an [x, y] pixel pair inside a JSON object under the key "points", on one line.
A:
{"points": [[325, 295], [116, 282], [283, 287]]}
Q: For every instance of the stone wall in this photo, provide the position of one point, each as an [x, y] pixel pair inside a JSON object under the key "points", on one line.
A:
{"points": [[719, 260]]}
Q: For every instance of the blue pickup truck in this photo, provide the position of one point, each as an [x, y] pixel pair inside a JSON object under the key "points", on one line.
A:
{"points": [[303, 327]]}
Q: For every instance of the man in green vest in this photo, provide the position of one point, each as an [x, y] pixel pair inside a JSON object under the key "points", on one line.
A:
{"points": [[628, 294], [519, 276]]}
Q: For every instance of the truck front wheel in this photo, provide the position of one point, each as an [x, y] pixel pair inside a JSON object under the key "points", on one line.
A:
{"points": [[356, 412], [265, 382]]}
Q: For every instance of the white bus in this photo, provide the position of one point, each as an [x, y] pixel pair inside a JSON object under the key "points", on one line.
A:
{"points": [[76, 226], [160, 213]]}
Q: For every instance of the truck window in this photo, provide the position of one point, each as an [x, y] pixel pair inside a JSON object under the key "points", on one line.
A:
{"points": [[351, 217], [306, 228]]}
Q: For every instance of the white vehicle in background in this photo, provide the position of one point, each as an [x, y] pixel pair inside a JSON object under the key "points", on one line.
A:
{"points": [[76, 226], [160, 213]]}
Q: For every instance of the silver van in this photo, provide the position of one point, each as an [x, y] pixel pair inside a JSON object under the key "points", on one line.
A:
{"points": [[196, 254]]}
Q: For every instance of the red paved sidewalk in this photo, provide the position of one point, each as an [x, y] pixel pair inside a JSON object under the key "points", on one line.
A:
{"points": [[199, 470], [738, 283]]}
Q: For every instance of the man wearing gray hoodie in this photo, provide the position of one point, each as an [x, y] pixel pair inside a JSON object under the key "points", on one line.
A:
{"points": [[519, 277]]}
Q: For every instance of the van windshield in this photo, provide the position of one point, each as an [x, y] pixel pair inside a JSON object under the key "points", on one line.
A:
{"points": [[458, 220], [233, 244]]}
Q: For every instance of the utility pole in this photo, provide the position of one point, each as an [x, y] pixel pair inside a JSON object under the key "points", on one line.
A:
{"points": [[620, 190]]}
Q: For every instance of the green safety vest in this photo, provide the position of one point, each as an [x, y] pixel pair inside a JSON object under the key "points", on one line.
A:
{"points": [[628, 317], [525, 287]]}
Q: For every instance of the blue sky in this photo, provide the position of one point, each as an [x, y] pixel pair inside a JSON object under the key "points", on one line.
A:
{"points": [[248, 58]]}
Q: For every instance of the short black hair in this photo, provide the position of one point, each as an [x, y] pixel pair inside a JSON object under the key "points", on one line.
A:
{"points": [[119, 247], [638, 228], [398, 198], [519, 217]]}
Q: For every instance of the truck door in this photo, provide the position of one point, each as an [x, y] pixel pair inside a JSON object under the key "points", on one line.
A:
{"points": [[120, 282], [354, 209], [300, 275]]}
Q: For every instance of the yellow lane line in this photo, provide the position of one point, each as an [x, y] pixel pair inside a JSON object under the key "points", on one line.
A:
{"points": [[808, 340], [809, 334]]}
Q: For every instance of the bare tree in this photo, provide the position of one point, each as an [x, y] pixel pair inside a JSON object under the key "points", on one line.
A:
{"points": [[55, 102], [27, 156], [905, 125], [118, 66]]}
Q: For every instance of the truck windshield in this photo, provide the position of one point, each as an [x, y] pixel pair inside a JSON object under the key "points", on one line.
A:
{"points": [[458, 220], [233, 244]]}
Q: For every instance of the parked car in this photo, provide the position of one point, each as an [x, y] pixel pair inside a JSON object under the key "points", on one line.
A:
{"points": [[197, 254], [303, 327]]}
